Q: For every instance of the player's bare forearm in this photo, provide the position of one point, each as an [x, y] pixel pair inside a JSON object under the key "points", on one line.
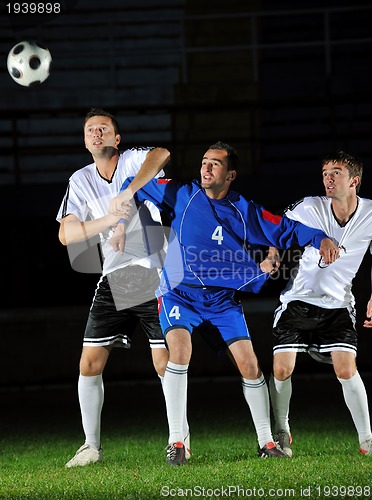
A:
{"points": [[72, 230], [155, 161], [328, 251]]}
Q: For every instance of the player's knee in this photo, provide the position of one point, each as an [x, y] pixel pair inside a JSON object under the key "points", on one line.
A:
{"points": [[344, 372], [179, 350], [90, 368], [282, 371], [249, 369]]}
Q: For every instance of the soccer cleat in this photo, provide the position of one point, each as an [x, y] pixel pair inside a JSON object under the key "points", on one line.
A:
{"points": [[84, 456], [187, 446], [284, 439], [366, 447], [271, 450], [176, 454]]}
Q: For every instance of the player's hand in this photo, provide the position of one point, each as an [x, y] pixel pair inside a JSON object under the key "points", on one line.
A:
{"points": [[272, 262], [368, 322], [117, 240], [328, 251], [120, 202]]}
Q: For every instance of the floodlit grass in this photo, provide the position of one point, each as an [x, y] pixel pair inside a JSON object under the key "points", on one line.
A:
{"points": [[37, 442]]}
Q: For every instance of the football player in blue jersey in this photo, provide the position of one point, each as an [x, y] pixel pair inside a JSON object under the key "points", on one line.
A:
{"points": [[207, 261]]}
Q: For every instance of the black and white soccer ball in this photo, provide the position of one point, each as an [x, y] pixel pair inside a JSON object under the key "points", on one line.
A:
{"points": [[29, 63]]}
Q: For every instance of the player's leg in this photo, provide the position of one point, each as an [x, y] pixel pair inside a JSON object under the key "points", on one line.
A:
{"points": [[148, 316], [175, 392], [160, 359], [225, 313], [176, 319], [338, 329], [290, 336], [256, 395], [91, 395], [106, 326], [149, 319], [281, 388], [355, 396], [91, 392], [280, 385]]}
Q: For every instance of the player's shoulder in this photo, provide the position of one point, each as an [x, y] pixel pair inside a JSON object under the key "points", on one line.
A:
{"points": [[134, 151], [83, 172], [235, 197], [366, 203], [189, 188], [308, 202]]}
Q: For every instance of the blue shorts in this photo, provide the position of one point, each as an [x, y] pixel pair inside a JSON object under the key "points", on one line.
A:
{"points": [[212, 311]]}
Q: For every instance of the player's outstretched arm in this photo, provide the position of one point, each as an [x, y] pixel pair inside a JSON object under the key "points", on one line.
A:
{"points": [[155, 161]]}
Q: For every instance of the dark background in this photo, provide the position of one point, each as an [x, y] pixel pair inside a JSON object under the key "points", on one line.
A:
{"points": [[283, 82]]}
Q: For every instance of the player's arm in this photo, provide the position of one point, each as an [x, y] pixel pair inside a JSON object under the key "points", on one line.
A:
{"points": [[155, 161], [72, 230], [368, 322], [274, 230], [161, 192], [306, 235]]}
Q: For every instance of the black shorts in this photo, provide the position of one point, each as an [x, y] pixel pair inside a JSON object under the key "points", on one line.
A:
{"points": [[302, 327], [123, 300]]}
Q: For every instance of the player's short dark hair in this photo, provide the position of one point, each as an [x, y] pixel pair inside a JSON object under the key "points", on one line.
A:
{"points": [[353, 164], [101, 112], [232, 155]]}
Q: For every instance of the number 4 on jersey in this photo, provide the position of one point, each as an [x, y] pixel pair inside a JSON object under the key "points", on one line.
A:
{"points": [[217, 235]]}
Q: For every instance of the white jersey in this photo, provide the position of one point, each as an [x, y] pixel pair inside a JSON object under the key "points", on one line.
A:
{"points": [[88, 196], [330, 286]]}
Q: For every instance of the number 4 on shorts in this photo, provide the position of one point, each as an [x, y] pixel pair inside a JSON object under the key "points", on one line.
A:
{"points": [[175, 312]]}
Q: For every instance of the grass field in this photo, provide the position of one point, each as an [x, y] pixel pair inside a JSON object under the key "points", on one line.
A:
{"points": [[40, 431]]}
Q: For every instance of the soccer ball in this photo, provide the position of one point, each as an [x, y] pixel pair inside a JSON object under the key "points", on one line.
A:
{"points": [[29, 63]]}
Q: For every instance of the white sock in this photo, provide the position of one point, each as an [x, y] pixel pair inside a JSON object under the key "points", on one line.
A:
{"points": [[175, 393], [185, 424], [356, 400], [257, 397], [91, 395], [280, 393]]}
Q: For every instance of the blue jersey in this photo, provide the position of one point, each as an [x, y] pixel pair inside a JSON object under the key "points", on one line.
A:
{"points": [[210, 239]]}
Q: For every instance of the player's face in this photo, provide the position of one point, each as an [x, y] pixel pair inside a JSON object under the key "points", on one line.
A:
{"points": [[214, 172], [99, 135], [337, 181]]}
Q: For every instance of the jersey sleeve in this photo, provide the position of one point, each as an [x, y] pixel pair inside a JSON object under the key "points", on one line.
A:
{"points": [[268, 229], [72, 203], [161, 192], [134, 159]]}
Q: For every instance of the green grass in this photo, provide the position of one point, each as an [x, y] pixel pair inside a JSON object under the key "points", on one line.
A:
{"points": [[37, 441]]}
